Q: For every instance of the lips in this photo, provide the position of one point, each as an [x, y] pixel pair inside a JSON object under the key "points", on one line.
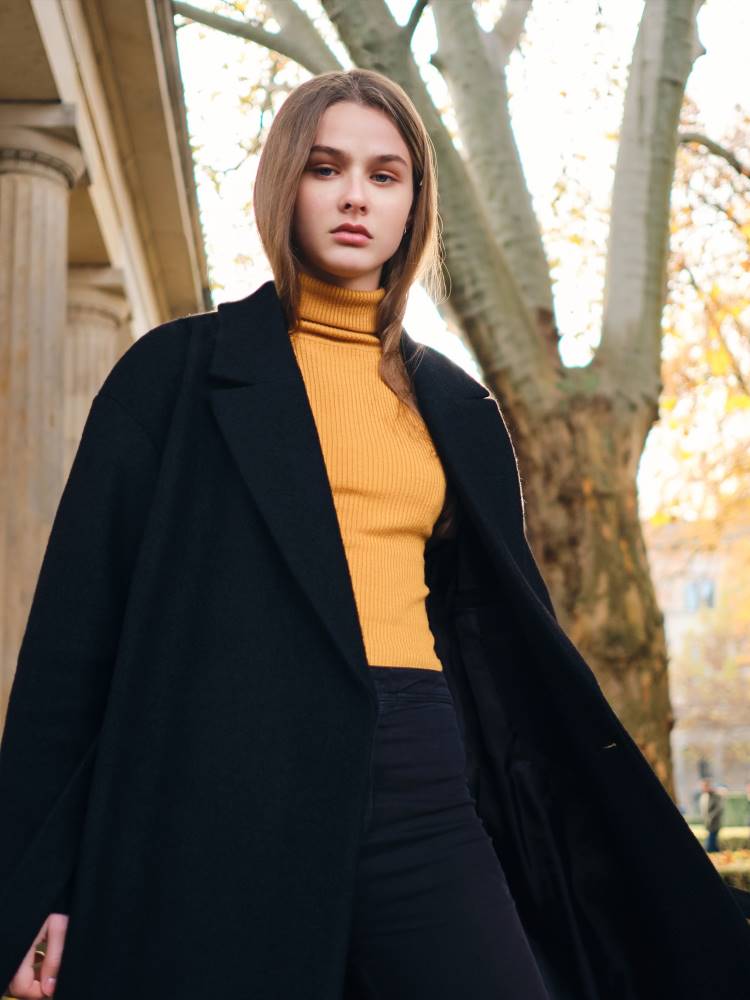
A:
{"points": [[347, 227]]}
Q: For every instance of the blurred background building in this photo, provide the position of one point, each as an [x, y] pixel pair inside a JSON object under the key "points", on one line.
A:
{"points": [[702, 588]]}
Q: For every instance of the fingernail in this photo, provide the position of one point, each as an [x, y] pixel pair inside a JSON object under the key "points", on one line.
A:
{"points": [[49, 984]]}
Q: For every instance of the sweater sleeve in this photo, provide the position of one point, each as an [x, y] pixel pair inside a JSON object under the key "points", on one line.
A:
{"points": [[65, 661]]}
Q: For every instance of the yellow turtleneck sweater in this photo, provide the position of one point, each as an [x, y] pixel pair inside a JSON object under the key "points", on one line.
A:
{"points": [[387, 480]]}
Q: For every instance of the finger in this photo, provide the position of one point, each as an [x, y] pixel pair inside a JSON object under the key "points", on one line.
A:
{"points": [[24, 984], [57, 926]]}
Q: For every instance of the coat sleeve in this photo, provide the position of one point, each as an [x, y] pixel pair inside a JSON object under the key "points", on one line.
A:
{"points": [[64, 665], [518, 539], [532, 572]]}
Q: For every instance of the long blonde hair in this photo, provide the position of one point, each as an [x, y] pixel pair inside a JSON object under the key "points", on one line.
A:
{"points": [[281, 165]]}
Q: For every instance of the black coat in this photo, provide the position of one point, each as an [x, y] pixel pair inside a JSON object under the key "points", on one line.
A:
{"points": [[185, 764]]}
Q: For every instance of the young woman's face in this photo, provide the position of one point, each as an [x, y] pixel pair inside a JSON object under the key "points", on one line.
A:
{"points": [[363, 178]]}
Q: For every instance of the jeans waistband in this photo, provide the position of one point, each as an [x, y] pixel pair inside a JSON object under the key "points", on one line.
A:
{"points": [[421, 681]]}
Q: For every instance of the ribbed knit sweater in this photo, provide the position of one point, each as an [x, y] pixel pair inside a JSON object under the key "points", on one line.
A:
{"points": [[387, 480]]}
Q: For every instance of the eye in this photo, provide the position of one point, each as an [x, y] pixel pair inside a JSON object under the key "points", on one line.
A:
{"points": [[315, 170]]}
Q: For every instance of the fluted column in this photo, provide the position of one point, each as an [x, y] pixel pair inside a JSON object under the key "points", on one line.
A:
{"points": [[37, 172], [94, 339]]}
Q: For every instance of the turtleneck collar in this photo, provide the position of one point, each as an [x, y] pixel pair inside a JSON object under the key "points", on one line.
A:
{"points": [[347, 314]]}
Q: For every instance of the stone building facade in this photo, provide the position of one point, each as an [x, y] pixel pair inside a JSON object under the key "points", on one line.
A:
{"points": [[701, 572]]}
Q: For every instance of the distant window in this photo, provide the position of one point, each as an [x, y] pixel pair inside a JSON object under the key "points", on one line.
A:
{"points": [[700, 593]]}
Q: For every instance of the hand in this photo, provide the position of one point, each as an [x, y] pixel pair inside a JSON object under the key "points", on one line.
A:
{"points": [[24, 985]]}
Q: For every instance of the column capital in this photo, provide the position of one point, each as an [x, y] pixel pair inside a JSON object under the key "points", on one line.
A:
{"points": [[36, 151], [98, 290]]}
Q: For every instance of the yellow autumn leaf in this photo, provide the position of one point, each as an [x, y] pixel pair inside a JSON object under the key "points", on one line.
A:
{"points": [[738, 401], [659, 518], [720, 315], [719, 360]]}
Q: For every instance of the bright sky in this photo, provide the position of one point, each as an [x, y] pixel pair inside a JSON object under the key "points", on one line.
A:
{"points": [[562, 118]]}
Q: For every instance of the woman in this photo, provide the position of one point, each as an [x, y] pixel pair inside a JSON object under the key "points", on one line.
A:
{"points": [[300, 717]]}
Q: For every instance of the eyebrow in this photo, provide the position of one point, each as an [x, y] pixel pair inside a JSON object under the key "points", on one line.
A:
{"points": [[380, 158]]}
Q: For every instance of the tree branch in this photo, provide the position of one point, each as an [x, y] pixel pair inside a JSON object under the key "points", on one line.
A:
{"points": [[636, 267], [367, 28], [715, 326], [315, 58], [506, 33], [716, 148], [296, 25], [474, 70], [411, 25]]}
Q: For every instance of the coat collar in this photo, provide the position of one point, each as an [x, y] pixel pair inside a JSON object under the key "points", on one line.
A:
{"points": [[260, 402]]}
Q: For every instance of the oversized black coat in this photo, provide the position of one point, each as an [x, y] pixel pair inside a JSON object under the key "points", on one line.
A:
{"points": [[184, 768]]}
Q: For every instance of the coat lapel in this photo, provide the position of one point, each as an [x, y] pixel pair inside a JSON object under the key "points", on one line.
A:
{"points": [[260, 402]]}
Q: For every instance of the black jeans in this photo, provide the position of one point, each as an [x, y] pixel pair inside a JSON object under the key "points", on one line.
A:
{"points": [[433, 915]]}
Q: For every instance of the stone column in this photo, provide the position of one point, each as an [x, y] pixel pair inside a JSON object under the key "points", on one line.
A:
{"points": [[37, 172], [97, 313]]}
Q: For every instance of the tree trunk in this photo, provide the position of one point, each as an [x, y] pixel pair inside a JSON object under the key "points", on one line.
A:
{"points": [[578, 471]]}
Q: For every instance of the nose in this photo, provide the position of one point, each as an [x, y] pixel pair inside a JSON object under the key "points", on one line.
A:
{"points": [[354, 196]]}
